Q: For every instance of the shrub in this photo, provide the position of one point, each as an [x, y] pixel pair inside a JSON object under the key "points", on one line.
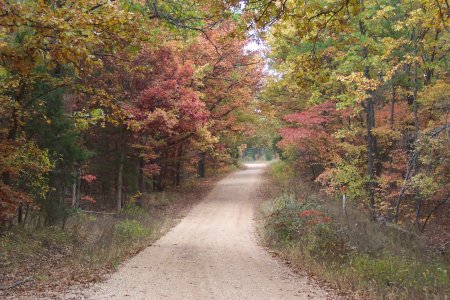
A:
{"points": [[350, 250], [133, 211], [269, 154], [129, 230], [282, 172]]}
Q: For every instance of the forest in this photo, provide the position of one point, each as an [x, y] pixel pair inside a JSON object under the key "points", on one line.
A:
{"points": [[102, 101], [106, 102]]}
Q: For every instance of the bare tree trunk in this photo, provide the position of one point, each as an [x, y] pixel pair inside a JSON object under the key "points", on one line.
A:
{"points": [[27, 208], [74, 194], [119, 180], [76, 189], [412, 165], [79, 192], [393, 106], [141, 183], [178, 167], [311, 166], [201, 165], [417, 198], [371, 154], [20, 214], [370, 124], [416, 88]]}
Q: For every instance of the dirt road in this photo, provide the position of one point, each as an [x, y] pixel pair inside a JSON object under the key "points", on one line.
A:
{"points": [[210, 254]]}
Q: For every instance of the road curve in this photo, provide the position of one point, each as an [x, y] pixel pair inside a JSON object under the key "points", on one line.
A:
{"points": [[211, 254]]}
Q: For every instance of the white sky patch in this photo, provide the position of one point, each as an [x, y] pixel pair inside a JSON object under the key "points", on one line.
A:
{"points": [[253, 46]]}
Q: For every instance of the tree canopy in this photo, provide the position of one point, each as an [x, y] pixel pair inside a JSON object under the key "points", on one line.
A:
{"points": [[103, 101]]}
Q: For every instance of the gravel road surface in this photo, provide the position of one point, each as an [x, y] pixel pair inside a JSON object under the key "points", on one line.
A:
{"points": [[211, 254]]}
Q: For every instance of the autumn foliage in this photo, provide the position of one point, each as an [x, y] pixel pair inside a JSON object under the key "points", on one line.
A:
{"points": [[101, 102], [363, 89]]}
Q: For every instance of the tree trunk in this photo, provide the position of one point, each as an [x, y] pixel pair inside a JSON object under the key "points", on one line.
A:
{"points": [[27, 208], [417, 197], [201, 165], [370, 124], [119, 180], [416, 88], [76, 189], [178, 167], [20, 214], [74, 194], [141, 183], [393, 106], [371, 154]]}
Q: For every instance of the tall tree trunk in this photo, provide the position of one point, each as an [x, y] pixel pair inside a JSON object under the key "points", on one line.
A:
{"points": [[141, 183], [393, 106], [179, 166], [76, 189], [311, 166], [417, 197], [74, 194], [27, 208], [119, 179], [370, 124], [11, 137], [20, 214], [201, 165], [371, 153]]}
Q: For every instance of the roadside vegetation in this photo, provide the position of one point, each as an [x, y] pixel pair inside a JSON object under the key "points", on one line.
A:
{"points": [[110, 113], [38, 260], [105, 102], [345, 248]]}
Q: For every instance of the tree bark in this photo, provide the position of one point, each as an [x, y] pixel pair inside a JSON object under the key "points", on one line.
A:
{"points": [[417, 198], [74, 194], [27, 208], [119, 179], [370, 124], [76, 189], [393, 106], [20, 214], [201, 165], [179, 167], [141, 183]]}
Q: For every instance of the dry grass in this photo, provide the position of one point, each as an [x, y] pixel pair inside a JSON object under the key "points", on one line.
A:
{"points": [[91, 245], [374, 260]]}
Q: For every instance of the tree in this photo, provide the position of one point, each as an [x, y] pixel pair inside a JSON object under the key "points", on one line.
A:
{"points": [[374, 60]]}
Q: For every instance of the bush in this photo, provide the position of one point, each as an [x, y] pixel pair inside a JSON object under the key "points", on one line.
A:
{"points": [[133, 211], [269, 154], [282, 172], [129, 230], [349, 249]]}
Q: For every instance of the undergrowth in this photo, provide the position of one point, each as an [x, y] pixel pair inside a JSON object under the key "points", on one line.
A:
{"points": [[88, 240], [347, 249], [49, 259], [89, 246]]}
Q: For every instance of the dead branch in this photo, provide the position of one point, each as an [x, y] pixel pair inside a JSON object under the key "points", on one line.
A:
{"points": [[412, 165], [98, 212], [442, 202], [20, 282]]}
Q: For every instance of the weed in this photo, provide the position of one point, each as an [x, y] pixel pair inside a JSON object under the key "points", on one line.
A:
{"points": [[129, 230], [134, 211], [347, 248]]}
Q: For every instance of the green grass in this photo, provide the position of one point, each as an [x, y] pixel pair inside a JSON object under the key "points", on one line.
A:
{"points": [[130, 231]]}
